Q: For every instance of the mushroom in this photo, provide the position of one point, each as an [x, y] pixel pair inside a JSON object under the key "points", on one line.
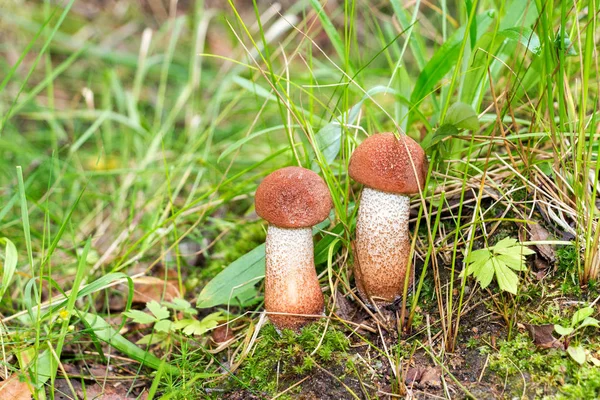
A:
{"points": [[382, 246], [292, 200]]}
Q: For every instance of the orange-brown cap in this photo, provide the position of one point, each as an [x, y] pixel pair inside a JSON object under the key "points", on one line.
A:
{"points": [[293, 197], [381, 162]]}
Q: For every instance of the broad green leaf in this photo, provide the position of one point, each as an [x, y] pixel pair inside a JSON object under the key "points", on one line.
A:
{"points": [[223, 288], [525, 36], [577, 353], [485, 274], [140, 317], [563, 331], [163, 326], [193, 327], [103, 331], [329, 138], [480, 255], [99, 284], [476, 266], [581, 314], [437, 136], [10, 265], [566, 45], [159, 311], [507, 279], [151, 339], [589, 321], [254, 87], [504, 243], [322, 247], [236, 283], [462, 116], [515, 263], [526, 251], [182, 305]]}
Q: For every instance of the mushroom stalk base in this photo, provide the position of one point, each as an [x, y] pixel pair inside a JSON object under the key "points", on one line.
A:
{"points": [[291, 284], [382, 246]]}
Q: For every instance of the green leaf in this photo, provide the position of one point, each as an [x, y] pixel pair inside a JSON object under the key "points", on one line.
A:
{"points": [[10, 265], [504, 244], [159, 311], [480, 267], [565, 45], [163, 326], [182, 305], [437, 136], [140, 317], [329, 138], [103, 331], [151, 339], [589, 321], [507, 279], [486, 274], [577, 353], [194, 327], [581, 315], [225, 287], [563, 331], [462, 116], [525, 36], [236, 283], [515, 263], [255, 88], [322, 247]]}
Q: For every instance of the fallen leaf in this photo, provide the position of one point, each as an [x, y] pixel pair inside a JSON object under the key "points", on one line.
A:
{"points": [[413, 375], [222, 334], [148, 288], [539, 233], [432, 376], [14, 389], [542, 336], [424, 376], [343, 307]]}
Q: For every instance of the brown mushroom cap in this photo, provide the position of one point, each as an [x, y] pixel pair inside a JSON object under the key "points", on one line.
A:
{"points": [[381, 162], [293, 197]]}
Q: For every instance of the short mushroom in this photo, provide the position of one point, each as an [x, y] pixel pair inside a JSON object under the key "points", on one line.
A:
{"points": [[292, 200], [382, 246]]}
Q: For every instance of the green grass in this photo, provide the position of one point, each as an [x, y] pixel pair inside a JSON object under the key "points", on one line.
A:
{"points": [[127, 134]]}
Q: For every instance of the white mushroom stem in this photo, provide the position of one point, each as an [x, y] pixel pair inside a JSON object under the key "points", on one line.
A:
{"points": [[291, 284], [382, 245]]}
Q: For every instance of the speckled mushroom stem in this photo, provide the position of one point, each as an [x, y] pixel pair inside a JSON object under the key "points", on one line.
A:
{"points": [[291, 284], [382, 246]]}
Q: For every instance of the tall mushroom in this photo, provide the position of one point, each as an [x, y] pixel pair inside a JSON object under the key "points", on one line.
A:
{"points": [[292, 200], [382, 246]]}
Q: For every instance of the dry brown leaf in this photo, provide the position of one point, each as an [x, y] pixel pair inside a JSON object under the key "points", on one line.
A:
{"points": [[432, 376], [149, 288], [14, 389], [222, 334], [413, 375], [542, 336], [539, 233], [343, 307]]}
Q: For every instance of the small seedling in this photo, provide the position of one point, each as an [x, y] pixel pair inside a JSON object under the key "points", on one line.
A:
{"points": [[580, 320], [160, 316], [499, 260]]}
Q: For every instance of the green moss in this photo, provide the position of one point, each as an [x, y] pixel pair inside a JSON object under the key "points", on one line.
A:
{"points": [[567, 258], [278, 358], [544, 368]]}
